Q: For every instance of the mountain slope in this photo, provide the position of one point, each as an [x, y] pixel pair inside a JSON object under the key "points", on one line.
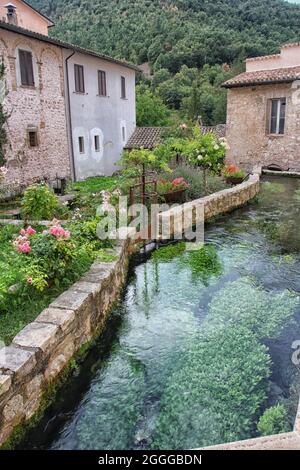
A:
{"points": [[169, 33]]}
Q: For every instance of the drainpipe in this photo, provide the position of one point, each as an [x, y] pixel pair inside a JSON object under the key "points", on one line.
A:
{"points": [[69, 116]]}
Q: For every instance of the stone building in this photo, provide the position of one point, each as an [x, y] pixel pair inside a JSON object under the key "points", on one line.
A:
{"points": [[263, 112], [34, 101], [70, 110]]}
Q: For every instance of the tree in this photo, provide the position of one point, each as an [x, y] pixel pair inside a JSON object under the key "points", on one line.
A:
{"points": [[151, 110]]}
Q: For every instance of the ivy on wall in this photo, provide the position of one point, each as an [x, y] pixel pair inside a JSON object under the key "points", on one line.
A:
{"points": [[3, 116]]}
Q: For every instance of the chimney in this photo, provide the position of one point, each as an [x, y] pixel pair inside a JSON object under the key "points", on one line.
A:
{"points": [[11, 14]]}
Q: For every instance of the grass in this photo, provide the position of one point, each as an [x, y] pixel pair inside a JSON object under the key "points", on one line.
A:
{"points": [[96, 184]]}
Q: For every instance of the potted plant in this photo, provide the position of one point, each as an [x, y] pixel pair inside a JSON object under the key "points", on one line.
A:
{"points": [[234, 175], [173, 191]]}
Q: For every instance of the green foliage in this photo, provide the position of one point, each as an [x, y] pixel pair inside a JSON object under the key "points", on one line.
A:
{"points": [[205, 151], [96, 184], [151, 110], [39, 202], [194, 176], [273, 187], [203, 262], [196, 34], [169, 252], [207, 400], [273, 421], [242, 303], [149, 159]]}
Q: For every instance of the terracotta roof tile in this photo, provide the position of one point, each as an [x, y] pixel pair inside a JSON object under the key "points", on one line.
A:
{"points": [[264, 77], [146, 137]]}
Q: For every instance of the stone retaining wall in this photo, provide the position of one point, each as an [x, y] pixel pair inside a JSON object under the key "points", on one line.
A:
{"points": [[208, 207], [40, 352]]}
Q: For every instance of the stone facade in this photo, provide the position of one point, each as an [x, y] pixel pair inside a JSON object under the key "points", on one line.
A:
{"points": [[250, 95], [247, 127], [41, 107]]}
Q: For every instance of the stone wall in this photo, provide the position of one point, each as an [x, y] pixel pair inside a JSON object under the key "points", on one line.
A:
{"points": [[40, 352], [247, 133], [41, 107], [213, 205]]}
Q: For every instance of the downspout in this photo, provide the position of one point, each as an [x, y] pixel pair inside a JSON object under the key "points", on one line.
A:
{"points": [[69, 116]]}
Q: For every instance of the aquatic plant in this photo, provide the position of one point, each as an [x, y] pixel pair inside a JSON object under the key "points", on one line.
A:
{"points": [[216, 393], [273, 421], [273, 187], [242, 303], [203, 263], [169, 252]]}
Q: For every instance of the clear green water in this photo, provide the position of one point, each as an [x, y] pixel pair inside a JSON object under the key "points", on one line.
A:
{"points": [[199, 345]]}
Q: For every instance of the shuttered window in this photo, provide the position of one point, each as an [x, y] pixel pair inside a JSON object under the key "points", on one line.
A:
{"points": [[123, 87], [26, 68], [79, 78], [102, 83]]}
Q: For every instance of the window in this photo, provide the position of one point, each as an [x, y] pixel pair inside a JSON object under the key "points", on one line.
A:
{"points": [[81, 144], [97, 143], [123, 133], [26, 68], [32, 138], [102, 83], [79, 78], [277, 116], [123, 87]]}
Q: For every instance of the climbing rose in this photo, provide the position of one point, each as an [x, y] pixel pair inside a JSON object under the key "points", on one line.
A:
{"points": [[29, 280]]}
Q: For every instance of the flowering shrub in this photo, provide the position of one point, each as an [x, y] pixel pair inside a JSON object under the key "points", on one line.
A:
{"points": [[178, 184], [39, 202], [206, 151], [46, 255], [231, 171]]}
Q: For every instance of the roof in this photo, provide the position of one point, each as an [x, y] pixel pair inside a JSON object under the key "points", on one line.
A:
{"points": [[146, 137], [264, 77], [65, 45]]}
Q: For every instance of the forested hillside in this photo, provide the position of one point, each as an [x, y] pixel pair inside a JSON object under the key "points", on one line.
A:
{"points": [[179, 37]]}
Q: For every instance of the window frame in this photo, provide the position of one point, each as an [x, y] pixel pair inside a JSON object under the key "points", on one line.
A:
{"points": [[32, 132], [81, 144], [280, 120], [123, 132], [102, 83], [79, 82], [27, 78], [97, 146], [123, 88]]}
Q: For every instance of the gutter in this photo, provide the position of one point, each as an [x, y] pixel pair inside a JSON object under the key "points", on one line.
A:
{"points": [[69, 116]]}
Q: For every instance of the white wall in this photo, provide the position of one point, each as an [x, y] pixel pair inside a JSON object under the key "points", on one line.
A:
{"points": [[104, 116]]}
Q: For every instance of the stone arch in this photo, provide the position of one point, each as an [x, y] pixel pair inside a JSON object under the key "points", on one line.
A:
{"points": [[51, 77]]}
